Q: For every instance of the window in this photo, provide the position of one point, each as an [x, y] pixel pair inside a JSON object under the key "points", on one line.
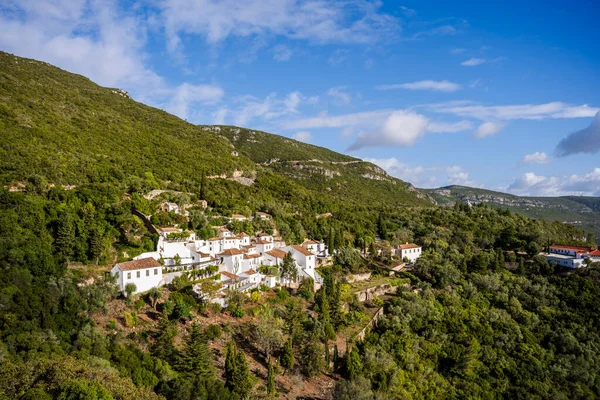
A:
{"points": [[155, 271], [147, 272], [129, 275], [138, 274]]}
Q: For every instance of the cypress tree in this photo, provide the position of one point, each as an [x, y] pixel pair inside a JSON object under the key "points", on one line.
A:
{"points": [[271, 378], [287, 355], [195, 359], [237, 372]]}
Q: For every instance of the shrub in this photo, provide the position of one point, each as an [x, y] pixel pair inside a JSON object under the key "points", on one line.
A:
{"points": [[377, 301], [130, 318], [213, 332]]}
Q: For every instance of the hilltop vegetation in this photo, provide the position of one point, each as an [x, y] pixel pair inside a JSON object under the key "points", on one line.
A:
{"points": [[583, 212]]}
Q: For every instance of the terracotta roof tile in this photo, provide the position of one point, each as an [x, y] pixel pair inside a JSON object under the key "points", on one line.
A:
{"points": [[301, 250], [228, 274], [250, 272], [231, 252], [251, 256], [409, 246], [276, 253], [143, 263]]}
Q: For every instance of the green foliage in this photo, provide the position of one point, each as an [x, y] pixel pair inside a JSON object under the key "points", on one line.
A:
{"points": [[237, 375], [213, 332], [286, 358]]}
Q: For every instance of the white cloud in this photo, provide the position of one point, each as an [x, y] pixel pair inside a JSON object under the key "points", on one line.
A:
{"points": [[511, 112], [338, 57], [424, 176], [534, 158], [316, 21], [537, 185], [403, 128], [489, 129], [185, 96], [474, 61], [219, 116], [282, 53], [471, 62], [439, 86], [586, 140], [270, 107], [339, 96], [457, 50], [302, 136]]}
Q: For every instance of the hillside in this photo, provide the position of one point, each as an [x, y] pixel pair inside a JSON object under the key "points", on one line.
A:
{"points": [[582, 212], [321, 169], [70, 131]]}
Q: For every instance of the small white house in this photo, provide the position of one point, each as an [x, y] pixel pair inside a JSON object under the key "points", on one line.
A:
{"points": [[264, 236], [409, 250], [232, 259], [262, 246], [270, 280], [168, 207], [239, 217], [144, 273], [317, 248], [564, 260], [262, 215]]}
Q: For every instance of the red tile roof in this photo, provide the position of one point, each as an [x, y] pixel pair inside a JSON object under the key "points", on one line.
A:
{"points": [[263, 242], [251, 256], [579, 249], [595, 253], [276, 253], [231, 252], [142, 263], [301, 250], [250, 272], [409, 246], [228, 274]]}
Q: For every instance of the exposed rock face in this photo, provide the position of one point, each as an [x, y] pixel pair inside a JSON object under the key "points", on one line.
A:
{"points": [[122, 93]]}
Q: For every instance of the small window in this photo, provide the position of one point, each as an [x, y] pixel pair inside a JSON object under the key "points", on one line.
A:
{"points": [[138, 274], [129, 275], [155, 271], [147, 272]]}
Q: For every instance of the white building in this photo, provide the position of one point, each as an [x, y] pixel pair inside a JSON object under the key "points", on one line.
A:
{"points": [[232, 260], [263, 246], [239, 217], [317, 248], [144, 273], [262, 215], [571, 256], [409, 250], [305, 262], [168, 207]]}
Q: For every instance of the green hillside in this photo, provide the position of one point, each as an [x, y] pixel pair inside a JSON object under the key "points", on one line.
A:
{"points": [[582, 212], [322, 170], [70, 131]]}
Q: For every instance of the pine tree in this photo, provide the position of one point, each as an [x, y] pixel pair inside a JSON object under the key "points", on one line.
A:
{"points": [[203, 186], [195, 360], [287, 355], [163, 347], [331, 244], [97, 244], [237, 373], [65, 237], [271, 378]]}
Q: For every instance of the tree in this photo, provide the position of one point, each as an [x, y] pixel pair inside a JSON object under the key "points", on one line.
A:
{"points": [[356, 389], [289, 272], [210, 288], [591, 238], [271, 378], [312, 360], [267, 334], [163, 347], [195, 361], [353, 364], [286, 359], [202, 191], [154, 295], [237, 374], [130, 289], [65, 237]]}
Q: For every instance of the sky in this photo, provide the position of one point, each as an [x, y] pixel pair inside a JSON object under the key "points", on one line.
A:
{"points": [[499, 95]]}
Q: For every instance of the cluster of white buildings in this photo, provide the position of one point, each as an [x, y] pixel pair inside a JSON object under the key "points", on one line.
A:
{"points": [[238, 258], [571, 256]]}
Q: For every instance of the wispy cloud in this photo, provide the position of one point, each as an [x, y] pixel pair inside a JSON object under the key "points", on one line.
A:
{"points": [[438, 86], [511, 112], [282, 53], [316, 21], [338, 57], [534, 158], [539, 185], [457, 50], [302, 136], [339, 96], [489, 129], [474, 61], [586, 140]]}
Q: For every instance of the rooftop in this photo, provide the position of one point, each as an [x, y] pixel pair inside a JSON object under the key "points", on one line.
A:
{"points": [[143, 263], [579, 249], [301, 250], [277, 253], [409, 246], [231, 252]]}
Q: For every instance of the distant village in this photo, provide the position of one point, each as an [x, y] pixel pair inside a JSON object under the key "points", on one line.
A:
{"points": [[237, 261]]}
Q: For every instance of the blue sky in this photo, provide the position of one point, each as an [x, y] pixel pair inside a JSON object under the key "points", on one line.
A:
{"points": [[501, 95]]}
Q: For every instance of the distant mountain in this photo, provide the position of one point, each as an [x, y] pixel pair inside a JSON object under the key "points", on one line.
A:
{"points": [[582, 212], [70, 131]]}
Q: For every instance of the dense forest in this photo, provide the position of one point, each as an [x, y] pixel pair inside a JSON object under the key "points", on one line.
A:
{"points": [[479, 315]]}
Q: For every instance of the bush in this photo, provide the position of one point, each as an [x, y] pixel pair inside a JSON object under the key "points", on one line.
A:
{"points": [[131, 319], [213, 332], [377, 302], [139, 303]]}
